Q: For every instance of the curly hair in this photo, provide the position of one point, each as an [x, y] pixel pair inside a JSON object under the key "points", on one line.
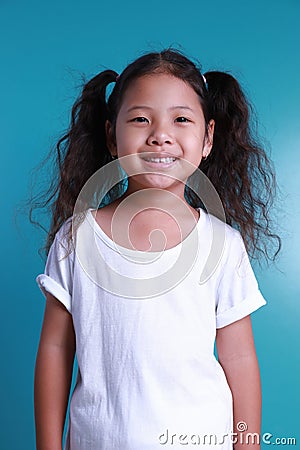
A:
{"points": [[238, 166]]}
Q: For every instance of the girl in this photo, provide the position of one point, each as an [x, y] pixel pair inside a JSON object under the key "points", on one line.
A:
{"points": [[142, 287]]}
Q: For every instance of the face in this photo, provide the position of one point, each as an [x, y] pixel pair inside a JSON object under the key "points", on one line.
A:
{"points": [[161, 125]]}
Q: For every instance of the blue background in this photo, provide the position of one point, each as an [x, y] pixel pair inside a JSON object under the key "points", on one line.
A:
{"points": [[45, 47]]}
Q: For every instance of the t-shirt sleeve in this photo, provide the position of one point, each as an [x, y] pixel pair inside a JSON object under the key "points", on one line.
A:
{"points": [[57, 278], [238, 294]]}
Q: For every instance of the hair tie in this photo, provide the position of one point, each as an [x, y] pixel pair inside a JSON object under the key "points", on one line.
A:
{"points": [[205, 82], [117, 77]]}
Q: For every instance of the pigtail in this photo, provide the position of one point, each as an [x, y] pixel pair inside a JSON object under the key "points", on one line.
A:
{"points": [[238, 166], [79, 153]]}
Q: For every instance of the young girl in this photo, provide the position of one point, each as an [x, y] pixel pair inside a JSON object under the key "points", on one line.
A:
{"points": [[142, 287]]}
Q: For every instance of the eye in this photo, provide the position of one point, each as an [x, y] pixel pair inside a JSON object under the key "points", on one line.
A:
{"points": [[182, 119], [139, 119]]}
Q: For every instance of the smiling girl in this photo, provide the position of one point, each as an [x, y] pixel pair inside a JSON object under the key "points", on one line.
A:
{"points": [[128, 298]]}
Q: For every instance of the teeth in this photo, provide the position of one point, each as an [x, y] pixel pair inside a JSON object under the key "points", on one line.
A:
{"points": [[160, 160]]}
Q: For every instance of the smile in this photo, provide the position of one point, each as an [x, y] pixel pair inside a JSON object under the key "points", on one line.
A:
{"points": [[167, 160]]}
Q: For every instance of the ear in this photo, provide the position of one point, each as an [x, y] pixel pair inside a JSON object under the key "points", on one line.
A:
{"points": [[209, 139], [110, 139]]}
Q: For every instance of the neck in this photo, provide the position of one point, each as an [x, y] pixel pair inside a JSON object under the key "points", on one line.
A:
{"points": [[156, 197], [154, 204], [152, 197]]}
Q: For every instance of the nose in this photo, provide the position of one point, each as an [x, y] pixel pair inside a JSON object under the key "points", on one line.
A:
{"points": [[160, 136]]}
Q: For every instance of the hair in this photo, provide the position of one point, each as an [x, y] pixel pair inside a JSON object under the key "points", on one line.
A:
{"points": [[238, 166]]}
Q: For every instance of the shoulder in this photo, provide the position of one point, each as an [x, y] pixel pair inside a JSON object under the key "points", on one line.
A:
{"points": [[225, 246], [220, 230], [62, 244], [65, 231]]}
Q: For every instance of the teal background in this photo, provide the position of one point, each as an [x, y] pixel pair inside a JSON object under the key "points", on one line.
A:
{"points": [[45, 47]]}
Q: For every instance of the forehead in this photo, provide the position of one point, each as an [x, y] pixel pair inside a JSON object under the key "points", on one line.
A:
{"points": [[161, 89]]}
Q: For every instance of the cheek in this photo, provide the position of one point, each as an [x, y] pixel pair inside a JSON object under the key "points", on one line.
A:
{"points": [[194, 140], [129, 140]]}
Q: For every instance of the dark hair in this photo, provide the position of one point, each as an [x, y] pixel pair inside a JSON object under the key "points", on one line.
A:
{"points": [[237, 166]]}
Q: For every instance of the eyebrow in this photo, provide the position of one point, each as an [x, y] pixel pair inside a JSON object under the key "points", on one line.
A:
{"points": [[133, 108]]}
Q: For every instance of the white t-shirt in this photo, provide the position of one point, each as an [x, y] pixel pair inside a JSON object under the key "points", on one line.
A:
{"points": [[145, 325]]}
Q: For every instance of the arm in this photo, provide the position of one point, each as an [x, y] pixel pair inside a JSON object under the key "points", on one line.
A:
{"points": [[53, 375], [237, 356]]}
